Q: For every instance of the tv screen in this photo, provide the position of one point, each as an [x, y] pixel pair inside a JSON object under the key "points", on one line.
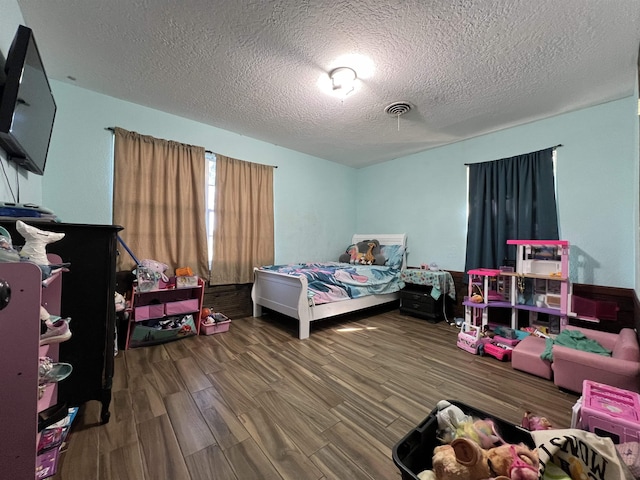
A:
{"points": [[27, 107]]}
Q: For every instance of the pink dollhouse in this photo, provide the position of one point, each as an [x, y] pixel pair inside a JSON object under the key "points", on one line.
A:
{"points": [[539, 285]]}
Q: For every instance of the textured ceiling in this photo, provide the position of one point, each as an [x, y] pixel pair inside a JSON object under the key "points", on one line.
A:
{"points": [[260, 67]]}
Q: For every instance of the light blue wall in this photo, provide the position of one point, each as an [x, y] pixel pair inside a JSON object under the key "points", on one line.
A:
{"points": [[424, 194], [319, 204], [78, 182]]}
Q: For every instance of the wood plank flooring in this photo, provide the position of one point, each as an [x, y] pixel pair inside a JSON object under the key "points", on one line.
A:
{"points": [[257, 403]]}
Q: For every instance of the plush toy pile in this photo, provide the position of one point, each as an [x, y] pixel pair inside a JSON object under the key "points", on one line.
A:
{"points": [[366, 252], [473, 450]]}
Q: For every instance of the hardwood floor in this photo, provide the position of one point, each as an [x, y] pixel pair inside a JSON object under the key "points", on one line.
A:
{"points": [[257, 403]]}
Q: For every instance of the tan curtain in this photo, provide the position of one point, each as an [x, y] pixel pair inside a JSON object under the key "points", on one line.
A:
{"points": [[159, 199], [243, 234]]}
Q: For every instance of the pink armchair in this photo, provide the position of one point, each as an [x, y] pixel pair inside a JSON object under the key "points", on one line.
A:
{"points": [[622, 369]]}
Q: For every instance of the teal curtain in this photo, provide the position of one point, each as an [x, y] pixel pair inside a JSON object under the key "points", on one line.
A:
{"points": [[512, 198]]}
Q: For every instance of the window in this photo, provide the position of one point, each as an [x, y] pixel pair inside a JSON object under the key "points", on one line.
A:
{"points": [[510, 198], [211, 200]]}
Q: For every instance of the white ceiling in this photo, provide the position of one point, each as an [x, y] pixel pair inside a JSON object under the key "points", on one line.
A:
{"points": [[253, 67]]}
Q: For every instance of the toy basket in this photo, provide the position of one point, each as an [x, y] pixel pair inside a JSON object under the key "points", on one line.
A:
{"points": [[414, 452], [219, 323]]}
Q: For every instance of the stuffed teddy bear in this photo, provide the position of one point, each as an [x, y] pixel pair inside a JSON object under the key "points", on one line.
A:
{"points": [[464, 459], [366, 252]]}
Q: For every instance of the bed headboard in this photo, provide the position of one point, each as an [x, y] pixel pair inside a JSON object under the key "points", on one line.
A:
{"points": [[385, 239]]}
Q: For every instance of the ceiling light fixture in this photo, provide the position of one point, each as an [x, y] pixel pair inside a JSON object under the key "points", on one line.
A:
{"points": [[343, 80]]}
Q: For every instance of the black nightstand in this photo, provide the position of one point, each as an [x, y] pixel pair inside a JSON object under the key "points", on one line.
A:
{"points": [[416, 300]]}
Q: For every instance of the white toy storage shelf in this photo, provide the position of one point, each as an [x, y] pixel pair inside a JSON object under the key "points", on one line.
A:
{"points": [[539, 284]]}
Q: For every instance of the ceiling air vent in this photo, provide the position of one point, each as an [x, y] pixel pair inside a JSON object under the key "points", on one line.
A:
{"points": [[397, 108]]}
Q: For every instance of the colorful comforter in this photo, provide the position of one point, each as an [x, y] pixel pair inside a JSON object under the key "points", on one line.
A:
{"points": [[334, 281]]}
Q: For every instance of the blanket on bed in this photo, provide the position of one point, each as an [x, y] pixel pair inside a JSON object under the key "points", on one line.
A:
{"points": [[335, 281]]}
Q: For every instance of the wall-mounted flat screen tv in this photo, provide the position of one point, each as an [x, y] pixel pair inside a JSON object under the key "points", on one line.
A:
{"points": [[27, 107]]}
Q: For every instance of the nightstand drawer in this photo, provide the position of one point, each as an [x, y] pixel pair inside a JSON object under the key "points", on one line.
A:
{"points": [[415, 296], [423, 306], [417, 301]]}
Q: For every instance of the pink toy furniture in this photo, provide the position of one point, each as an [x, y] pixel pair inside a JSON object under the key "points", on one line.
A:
{"points": [[611, 412], [526, 357], [571, 367], [501, 353]]}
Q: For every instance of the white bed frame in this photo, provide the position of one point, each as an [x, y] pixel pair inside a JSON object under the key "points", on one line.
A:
{"points": [[287, 294]]}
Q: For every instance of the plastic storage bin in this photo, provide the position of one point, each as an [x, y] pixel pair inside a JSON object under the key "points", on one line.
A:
{"points": [[600, 309], [610, 412], [144, 334], [414, 452], [219, 327]]}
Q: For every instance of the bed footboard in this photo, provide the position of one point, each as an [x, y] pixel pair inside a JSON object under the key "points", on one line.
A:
{"points": [[286, 294]]}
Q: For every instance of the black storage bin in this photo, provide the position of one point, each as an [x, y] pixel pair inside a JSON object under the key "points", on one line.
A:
{"points": [[414, 452]]}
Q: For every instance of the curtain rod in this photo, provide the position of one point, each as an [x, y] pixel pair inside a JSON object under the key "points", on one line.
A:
{"points": [[113, 130], [554, 147]]}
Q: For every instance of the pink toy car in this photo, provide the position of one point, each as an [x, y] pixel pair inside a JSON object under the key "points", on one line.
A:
{"points": [[499, 350]]}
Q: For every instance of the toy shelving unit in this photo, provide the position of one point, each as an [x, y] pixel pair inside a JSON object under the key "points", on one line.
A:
{"points": [[488, 285], [20, 396], [540, 285]]}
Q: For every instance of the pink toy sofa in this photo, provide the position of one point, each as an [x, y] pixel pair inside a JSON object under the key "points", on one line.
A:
{"points": [[571, 367]]}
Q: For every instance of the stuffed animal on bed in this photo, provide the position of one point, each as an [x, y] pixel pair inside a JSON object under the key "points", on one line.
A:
{"points": [[366, 252]]}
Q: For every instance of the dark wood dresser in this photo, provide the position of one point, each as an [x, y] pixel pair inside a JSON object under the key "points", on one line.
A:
{"points": [[88, 298]]}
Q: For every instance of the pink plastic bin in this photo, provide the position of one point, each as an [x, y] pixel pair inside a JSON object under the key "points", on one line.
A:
{"points": [[610, 412], [602, 310], [215, 328]]}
